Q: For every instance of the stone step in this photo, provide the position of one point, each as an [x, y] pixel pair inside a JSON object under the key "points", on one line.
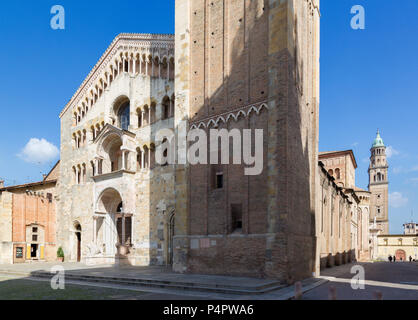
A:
{"points": [[167, 284]]}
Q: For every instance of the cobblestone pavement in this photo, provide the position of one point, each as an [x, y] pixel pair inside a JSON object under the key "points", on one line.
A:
{"points": [[383, 280]]}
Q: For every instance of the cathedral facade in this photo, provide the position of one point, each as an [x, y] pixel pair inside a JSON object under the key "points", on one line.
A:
{"points": [[115, 204]]}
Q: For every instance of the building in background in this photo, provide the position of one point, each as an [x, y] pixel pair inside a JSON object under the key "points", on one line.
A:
{"points": [[401, 246], [379, 185], [343, 211], [28, 221], [410, 228]]}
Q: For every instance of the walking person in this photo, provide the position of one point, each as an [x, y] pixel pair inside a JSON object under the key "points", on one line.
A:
{"points": [[390, 258]]}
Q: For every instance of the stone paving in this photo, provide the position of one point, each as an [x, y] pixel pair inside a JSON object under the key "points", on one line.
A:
{"points": [[23, 271], [152, 272], [383, 280]]}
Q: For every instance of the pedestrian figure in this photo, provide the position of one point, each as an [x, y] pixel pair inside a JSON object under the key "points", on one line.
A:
{"points": [[410, 258], [298, 290], [390, 258], [332, 293], [394, 258], [378, 295]]}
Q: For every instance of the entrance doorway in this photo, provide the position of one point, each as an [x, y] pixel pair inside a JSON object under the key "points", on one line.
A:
{"points": [[171, 239], [77, 227], [34, 251], [400, 255]]}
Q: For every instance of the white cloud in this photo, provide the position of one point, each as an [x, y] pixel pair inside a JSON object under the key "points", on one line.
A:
{"points": [[39, 151], [397, 200], [391, 151], [397, 170]]}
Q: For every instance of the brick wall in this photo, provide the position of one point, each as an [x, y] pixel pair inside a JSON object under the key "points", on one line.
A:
{"points": [[241, 53]]}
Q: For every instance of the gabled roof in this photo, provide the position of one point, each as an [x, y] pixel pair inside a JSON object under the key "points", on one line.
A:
{"points": [[28, 185], [332, 154], [110, 128], [130, 40], [50, 178], [54, 173]]}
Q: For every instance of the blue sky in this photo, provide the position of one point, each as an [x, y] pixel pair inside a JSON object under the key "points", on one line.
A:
{"points": [[368, 80]]}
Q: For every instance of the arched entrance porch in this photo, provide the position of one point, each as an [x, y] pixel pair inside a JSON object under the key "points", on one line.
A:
{"points": [[112, 226], [400, 255]]}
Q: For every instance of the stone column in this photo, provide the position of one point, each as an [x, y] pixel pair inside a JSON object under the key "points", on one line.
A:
{"points": [[77, 181], [123, 229], [159, 69], [94, 230], [146, 67], [123, 159], [143, 159]]}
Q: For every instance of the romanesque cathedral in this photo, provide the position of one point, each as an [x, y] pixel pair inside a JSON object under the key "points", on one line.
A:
{"points": [[230, 65]]}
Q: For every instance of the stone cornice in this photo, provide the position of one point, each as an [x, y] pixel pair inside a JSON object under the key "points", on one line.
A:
{"points": [[129, 41]]}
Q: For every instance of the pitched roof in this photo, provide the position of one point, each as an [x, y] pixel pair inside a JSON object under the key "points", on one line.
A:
{"points": [[50, 178]]}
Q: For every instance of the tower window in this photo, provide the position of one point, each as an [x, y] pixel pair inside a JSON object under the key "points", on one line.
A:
{"points": [[219, 180], [236, 217], [337, 173]]}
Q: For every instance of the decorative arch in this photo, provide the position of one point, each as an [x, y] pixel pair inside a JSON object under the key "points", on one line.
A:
{"points": [[121, 111], [108, 201]]}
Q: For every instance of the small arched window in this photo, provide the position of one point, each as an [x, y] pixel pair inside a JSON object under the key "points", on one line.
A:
{"points": [[337, 173], [166, 108], [124, 116]]}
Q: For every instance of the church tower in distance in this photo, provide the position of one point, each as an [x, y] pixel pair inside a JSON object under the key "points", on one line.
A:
{"points": [[378, 185]]}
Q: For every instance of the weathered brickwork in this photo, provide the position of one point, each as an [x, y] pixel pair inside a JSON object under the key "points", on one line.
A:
{"points": [[232, 55], [28, 222]]}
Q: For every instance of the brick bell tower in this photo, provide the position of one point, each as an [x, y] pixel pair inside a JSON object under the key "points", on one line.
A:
{"points": [[249, 64], [378, 185]]}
